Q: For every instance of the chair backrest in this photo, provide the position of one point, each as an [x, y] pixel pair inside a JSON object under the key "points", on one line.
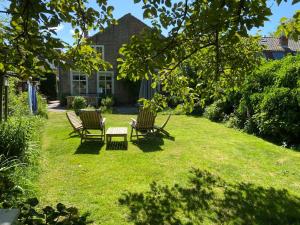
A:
{"points": [[74, 121], [91, 119], [145, 119]]}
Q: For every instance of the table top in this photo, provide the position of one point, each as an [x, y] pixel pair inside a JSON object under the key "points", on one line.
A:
{"points": [[116, 131]]}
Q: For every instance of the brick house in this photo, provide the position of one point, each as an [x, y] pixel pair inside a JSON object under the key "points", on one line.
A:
{"points": [[277, 48], [102, 83]]}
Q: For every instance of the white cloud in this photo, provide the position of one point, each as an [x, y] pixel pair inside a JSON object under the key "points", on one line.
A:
{"points": [[60, 27]]}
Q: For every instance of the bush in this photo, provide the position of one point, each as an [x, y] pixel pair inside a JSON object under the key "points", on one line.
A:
{"points": [[18, 102], [13, 138], [270, 104], [106, 104], [16, 136], [215, 111], [267, 104], [277, 116], [79, 102]]}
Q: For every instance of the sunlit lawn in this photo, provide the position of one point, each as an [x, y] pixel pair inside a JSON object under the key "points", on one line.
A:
{"points": [[92, 178]]}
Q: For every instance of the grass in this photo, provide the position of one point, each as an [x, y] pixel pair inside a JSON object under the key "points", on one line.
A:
{"points": [[93, 179]]}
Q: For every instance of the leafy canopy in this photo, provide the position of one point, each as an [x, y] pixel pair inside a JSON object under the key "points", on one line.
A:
{"points": [[198, 30], [29, 41]]}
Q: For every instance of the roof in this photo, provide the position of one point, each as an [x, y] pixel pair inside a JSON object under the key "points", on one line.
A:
{"points": [[273, 44], [124, 18]]}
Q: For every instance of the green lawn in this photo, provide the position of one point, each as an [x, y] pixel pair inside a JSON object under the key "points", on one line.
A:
{"points": [[92, 178]]}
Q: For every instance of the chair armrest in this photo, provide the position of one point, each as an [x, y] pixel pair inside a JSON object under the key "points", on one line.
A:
{"points": [[133, 122], [103, 121]]}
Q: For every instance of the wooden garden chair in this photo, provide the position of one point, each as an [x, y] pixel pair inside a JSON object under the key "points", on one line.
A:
{"points": [[144, 124], [75, 122], [92, 120], [161, 129]]}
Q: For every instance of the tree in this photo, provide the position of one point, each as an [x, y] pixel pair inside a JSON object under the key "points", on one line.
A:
{"points": [[195, 27], [290, 27], [29, 42]]}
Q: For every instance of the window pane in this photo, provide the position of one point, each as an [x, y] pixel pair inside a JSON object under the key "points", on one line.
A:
{"points": [[82, 77], [76, 77], [83, 87], [101, 77], [108, 85], [75, 87], [102, 84]]}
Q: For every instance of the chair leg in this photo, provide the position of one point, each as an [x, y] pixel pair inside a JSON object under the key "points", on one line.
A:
{"points": [[74, 131], [137, 134], [131, 133]]}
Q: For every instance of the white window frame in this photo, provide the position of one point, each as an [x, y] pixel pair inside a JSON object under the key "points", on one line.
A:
{"points": [[102, 46], [112, 81], [71, 81]]}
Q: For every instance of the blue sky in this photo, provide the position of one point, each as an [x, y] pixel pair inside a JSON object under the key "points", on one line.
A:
{"points": [[122, 7]]}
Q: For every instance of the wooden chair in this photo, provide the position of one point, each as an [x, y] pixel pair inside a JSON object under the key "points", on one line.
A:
{"points": [[161, 129], [92, 120], [75, 122], [144, 123]]}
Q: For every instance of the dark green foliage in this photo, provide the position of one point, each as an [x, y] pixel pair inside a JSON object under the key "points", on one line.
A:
{"points": [[218, 110], [215, 111], [209, 199], [270, 103], [14, 140], [18, 102], [79, 102], [11, 197], [267, 104], [107, 104], [31, 215]]}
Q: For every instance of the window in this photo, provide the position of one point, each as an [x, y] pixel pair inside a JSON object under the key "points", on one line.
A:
{"points": [[105, 82], [78, 83], [100, 49]]}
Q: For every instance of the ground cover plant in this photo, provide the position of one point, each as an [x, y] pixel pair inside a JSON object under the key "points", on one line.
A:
{"points": [[94, 179]]}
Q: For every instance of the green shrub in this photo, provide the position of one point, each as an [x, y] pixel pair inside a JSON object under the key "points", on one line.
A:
{"points": [[267, 104], [13, 138], [16, 136], [277, 116], [270, 104], [107, 104], [79, 102], [215, 111], [18, 102], [42, 106]]}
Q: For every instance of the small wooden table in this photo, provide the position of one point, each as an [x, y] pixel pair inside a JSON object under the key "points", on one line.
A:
{"points": [[116, 132]]}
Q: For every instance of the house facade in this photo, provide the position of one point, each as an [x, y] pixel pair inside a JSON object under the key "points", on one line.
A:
{"points": [[105, 83], [277, 48]]}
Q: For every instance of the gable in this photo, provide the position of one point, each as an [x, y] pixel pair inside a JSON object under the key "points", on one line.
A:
{"points": [[127, 26]]}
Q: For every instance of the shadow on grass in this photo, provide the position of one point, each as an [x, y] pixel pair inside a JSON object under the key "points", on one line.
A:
{"points": [[207, 198], [90, 147], [117, 145], [149, 143]]}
